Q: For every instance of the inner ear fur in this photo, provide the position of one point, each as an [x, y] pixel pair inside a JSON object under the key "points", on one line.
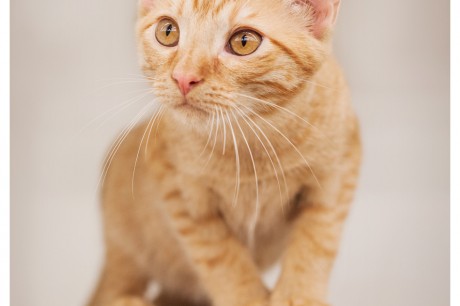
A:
{"points": [[321, 14]]}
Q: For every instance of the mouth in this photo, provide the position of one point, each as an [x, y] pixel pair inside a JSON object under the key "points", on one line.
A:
{"points": [[190, 108]]}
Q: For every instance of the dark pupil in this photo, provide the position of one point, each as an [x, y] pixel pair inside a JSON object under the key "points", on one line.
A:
{"points": [[169, 29], [244, 40]]}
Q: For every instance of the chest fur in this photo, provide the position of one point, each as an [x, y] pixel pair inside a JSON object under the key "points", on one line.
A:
{"points": [[261, 215]]}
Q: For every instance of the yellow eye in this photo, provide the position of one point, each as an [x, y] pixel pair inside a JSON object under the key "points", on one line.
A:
{"points": [[167, 32], [245, 42]]}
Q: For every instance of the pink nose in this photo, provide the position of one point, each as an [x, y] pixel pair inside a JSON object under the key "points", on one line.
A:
{"points": [[186, 81]]}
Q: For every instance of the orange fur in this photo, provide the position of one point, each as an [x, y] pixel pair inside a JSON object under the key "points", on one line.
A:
{"points": [[258, 162]]}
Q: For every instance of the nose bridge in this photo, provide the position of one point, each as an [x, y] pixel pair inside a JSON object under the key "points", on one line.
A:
{"points": [[187, 62], [190, 68], [193, 55]]}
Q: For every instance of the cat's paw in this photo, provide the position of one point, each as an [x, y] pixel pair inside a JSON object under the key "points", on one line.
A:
{"points": [[297, 302], [263, 303], [130, 301]]}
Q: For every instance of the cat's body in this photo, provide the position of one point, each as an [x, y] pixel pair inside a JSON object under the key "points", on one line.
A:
{"points": [[204, 206]]}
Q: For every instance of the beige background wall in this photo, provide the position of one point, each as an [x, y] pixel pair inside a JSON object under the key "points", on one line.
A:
{"points": [[396, 246]]}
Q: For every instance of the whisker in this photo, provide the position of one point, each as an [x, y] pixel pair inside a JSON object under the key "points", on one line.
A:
{"points": [[127, 82], [210, 121], [139, 75], [237, 161], [157, 114], [147, 128], [288, 140], [123, 79], [159, 124], [127, 76], [317, 84], [137, 100], [286, 188], [118, 143], [271, 104], [117, 108], [276, 106], [138, 80], [225, 130], [268, 154], [214, 145], [252, 227], [139, 151]]}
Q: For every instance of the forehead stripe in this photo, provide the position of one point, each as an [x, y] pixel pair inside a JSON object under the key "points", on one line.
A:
{"points": [[295, 58]]}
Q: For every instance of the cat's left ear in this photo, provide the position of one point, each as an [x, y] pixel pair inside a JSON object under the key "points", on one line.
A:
{"points": [[145, 6], [146, 3], [322, 14]]}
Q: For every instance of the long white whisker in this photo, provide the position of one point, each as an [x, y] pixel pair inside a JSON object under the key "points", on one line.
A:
{"points": [[271, 104], [137, 100], [317, 84], [140, 76], [157, 114], [288, 140], [139, 151], [159, 124], [118, 143], [278, 107], [225, 130], [117, 108], [214, 145], [134, 79], [210, 121], [237, 161], [266, 151], [145, 82], [252, 227], [286, 188]]}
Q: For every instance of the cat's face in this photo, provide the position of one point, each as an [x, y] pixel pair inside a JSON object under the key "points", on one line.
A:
{"points": [[208, 56]]}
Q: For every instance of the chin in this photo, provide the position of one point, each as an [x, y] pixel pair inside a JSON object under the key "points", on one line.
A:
{"points": [[191, 114]]}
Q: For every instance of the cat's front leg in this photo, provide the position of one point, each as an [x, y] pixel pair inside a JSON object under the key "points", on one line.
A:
{"points": [[315, 238], [130, 301], [308, 260], [224, 265]]}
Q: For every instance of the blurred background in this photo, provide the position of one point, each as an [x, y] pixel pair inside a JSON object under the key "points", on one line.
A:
{"points": [[72, 61]]}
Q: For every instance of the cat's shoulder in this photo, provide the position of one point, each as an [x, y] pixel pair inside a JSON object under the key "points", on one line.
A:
{"points": [[133, 147]]}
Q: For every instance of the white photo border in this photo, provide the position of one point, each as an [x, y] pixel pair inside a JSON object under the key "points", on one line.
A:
{"points": [[4, 153], [455, 153]]}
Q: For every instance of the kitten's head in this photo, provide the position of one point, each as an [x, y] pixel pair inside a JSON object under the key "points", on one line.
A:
{"points": [[206, 56]]}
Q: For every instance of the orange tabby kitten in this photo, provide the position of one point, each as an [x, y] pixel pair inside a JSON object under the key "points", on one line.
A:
{"points": [[253, 157]]}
